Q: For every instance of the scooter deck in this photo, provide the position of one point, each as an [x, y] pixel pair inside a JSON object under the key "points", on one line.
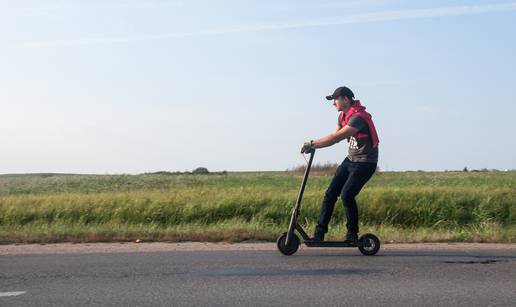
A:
{"points": [[331, 243]]}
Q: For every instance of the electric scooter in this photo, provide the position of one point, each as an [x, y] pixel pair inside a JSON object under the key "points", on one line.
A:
{"points": [[289, 242]]}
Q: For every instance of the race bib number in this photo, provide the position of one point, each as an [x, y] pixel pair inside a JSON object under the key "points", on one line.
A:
{"points": [[353, 144]]}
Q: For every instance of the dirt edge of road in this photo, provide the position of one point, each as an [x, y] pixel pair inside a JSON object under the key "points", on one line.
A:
{"points": [[82, 248]]}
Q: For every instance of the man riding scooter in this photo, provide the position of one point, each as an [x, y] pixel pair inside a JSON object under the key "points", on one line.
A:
{"points": [[356, 125]]}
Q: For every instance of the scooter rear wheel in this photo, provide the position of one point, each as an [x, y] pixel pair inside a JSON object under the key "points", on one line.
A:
{"points": [[291, 248], [369, 244]]}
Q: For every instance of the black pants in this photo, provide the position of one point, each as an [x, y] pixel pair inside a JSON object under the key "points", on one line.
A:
{"points": [[349, 179]]}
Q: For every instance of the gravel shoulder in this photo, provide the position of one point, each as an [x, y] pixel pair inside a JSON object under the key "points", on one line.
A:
{"points": [[85, 248]]}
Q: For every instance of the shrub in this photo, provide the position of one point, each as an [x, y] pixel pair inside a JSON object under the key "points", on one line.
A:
{"points": [[200, 171], [327, 168]]}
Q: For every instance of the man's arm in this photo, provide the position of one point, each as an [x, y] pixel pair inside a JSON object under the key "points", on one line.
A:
{"points": [[340, 134]]}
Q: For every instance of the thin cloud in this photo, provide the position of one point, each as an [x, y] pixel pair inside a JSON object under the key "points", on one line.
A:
{"points": [[351, 19]]}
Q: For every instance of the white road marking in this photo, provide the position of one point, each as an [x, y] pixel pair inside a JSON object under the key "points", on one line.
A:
{"points": [[14, 293]]}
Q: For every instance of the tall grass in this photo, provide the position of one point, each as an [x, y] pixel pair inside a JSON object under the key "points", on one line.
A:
{"points": [[409, 206]]}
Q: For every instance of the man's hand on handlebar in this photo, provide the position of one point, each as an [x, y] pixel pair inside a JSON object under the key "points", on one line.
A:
{"points": [[308, 147]]}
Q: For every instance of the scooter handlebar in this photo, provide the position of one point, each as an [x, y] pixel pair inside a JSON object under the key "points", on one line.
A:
{"points": [[307, 147]]}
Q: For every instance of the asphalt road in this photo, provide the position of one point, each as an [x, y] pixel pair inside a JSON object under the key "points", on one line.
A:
{"points": [[311, 277]]}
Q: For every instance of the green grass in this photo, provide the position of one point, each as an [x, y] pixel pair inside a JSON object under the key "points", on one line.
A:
{"points": [[400, 207]]}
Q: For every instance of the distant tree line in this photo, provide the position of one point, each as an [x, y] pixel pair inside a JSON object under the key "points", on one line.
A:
{"points": [[197, 171]]}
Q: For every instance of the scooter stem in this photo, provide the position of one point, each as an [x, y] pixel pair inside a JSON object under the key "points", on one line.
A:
{"points": [[296, 212]]}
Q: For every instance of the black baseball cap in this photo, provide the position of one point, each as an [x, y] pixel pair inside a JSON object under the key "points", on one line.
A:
{"points": [[341, 92]]}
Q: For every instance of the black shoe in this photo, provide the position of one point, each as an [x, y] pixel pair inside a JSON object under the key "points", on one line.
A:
{"points": [[318, 234], [351, 237]]}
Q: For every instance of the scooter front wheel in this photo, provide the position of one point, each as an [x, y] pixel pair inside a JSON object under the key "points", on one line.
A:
{"points": [[291, 248], [369, 244]]}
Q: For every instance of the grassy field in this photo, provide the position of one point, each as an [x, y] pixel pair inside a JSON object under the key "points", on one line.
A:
{"points": [[398, 206]]}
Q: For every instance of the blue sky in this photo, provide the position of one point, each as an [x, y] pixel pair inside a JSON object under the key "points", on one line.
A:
{"points": [[135, 86]]}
